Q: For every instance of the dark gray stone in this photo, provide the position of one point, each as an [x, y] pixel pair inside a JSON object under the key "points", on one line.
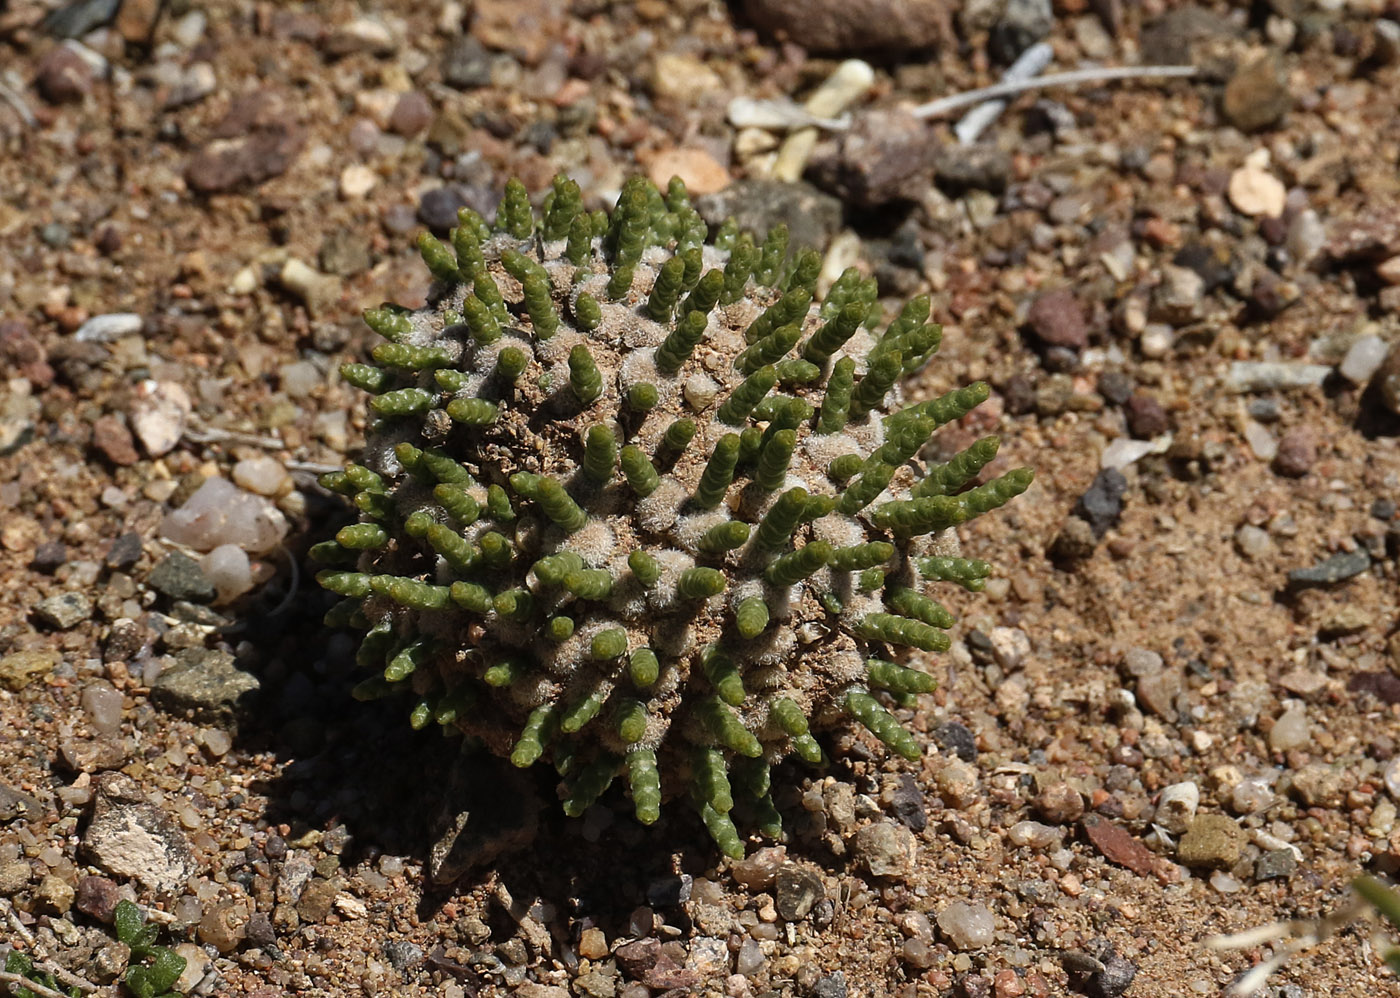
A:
{"points": [[959, 169], [907, 803], [1276, 864], [830, 986], [956, 738], [796, 890], [18, 804], [402, 955], [812, 217], [1102, 504], [1022, 24], [124, 552], [179, 577], [1338, 568], [466, 64]]}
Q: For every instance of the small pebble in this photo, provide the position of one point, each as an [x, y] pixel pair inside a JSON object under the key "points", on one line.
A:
{"points": [[1291, 730], [1297, 452], [1212, 840], [1253, 542], [1363, 358], [64, 611], [966, 926]]}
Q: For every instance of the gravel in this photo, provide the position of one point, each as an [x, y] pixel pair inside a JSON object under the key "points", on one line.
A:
{"points": [[275, 165]]}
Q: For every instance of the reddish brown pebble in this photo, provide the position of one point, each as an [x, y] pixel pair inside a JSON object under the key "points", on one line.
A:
{"points": [[1007, 985], [1297, 452], [1118, 846], [64, 77], [97, 898], [412, 114], [638, 957], [1057, 319], [1146, 417], [113, 439]]}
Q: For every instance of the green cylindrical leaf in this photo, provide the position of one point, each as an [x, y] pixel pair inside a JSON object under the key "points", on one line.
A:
{"points": [[589, 583], [751, 617], [559, 506], [774, 460], [365, 377], [344, 583], [864, 708], [540, 306], [969, 573], [861, 556], [723, 674], [909, 603], [720, 538], [834, 334], [735, 409], [644, 778], [667, 290], [472, 597], [403, 402], [705, 295], [681, 342], [410, 592], [592, 782], [599, 453], [674, 442], [881, 374], [588, 314], [700, 583], [539, 729], [455, 549], [778, 524], [582, 710], [553, 569], [945, 479], [768, 350], [441, 261], [498, 504], [580, 243], [388, 323], [511, 363], [611, 643], [646, 568], [559, 629], [895, 630], [726, 728], [362, 536], [897, 678], [458, 503], [481, 321], [795, 371], [631, 720], [793, 567], [638, 470], [472, 412], [719, 472], [514, 215], [584, 376], [643, 667], [836, 403], [642, 397], [712, 780]]}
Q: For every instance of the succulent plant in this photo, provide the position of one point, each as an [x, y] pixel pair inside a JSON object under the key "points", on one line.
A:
{"points": [[634, 503]]}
